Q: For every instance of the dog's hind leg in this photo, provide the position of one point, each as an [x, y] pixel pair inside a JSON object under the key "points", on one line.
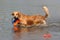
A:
{"points": [[44, 23]]}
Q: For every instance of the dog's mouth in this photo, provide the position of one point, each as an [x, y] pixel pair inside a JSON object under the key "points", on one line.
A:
{"points": [[14, 17]]}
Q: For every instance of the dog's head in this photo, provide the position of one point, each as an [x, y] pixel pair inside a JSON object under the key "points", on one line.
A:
{"points": [[15, 14]]}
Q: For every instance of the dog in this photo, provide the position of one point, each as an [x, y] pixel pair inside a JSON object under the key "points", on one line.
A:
{"points": [[28, 20]]}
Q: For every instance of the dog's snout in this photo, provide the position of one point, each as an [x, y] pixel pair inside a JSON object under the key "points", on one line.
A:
{"points": [[14, 17]]}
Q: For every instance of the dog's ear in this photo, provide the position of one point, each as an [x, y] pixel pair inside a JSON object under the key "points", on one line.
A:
{"points": [[19, 14]]}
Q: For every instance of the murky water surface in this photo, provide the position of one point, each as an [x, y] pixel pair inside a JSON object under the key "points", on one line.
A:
{"points": [[29, 7]]}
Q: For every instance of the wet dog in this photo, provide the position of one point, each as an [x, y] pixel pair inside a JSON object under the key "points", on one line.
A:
{"points": [[28, 20]]}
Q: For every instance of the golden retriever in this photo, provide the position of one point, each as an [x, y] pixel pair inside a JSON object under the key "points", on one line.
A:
{"points": [[28, 20]]}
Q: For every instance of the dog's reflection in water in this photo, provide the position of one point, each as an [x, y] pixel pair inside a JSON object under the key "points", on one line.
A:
{"points": [[16, 36], [25, 29], [21, 34]]}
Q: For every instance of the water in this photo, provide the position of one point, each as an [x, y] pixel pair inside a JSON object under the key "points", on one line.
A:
{"points": [[29, 7]]}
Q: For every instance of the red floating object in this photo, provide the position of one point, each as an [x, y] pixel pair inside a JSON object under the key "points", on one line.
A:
{"points": [[47, 35]]}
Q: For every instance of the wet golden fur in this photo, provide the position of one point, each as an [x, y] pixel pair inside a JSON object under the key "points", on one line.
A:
{"points": [[31, 19]]}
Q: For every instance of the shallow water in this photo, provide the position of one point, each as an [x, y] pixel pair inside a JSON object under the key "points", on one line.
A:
{"points": [[29, 7]]}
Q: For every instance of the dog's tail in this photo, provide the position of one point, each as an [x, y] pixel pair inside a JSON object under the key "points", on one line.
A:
{"points": [[46, 11]]}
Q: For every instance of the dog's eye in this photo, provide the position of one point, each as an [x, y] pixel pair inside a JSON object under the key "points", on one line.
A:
{"points": [[16, 14], [12, 13]]}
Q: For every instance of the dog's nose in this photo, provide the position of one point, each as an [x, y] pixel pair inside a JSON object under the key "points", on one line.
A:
{"points": [[14, 17]]}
